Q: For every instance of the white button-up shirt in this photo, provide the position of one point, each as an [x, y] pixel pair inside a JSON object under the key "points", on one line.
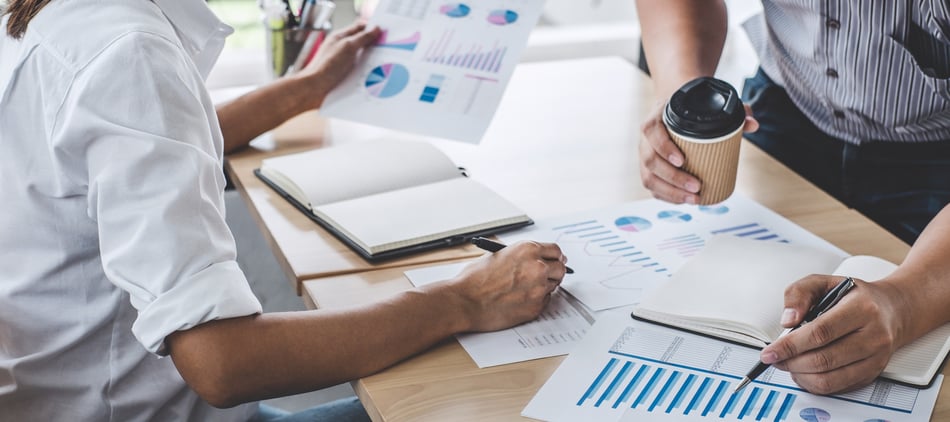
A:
{"points": [[112, 230]]}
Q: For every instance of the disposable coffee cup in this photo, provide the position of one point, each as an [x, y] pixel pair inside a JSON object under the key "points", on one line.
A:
{"points": [[705, 119]]}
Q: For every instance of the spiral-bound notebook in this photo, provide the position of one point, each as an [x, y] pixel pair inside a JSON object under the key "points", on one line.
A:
{"points": [[389, 198]]}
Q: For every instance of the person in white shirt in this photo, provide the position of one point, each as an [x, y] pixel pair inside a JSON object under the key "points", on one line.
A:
{"points": [[115, 251]]}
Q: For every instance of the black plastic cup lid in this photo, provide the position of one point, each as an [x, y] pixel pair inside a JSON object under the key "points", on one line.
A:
{"points": [[705, 108]]}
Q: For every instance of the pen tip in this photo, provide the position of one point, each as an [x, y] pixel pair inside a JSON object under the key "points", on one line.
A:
{"points": [[570, 270], [745, 381]]}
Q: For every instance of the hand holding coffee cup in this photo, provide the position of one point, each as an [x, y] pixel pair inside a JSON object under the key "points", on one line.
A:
{"points": [[705, 118]]}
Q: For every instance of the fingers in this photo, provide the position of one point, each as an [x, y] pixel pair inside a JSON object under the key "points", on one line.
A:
{"points": [[660, 162], [751, 125], [351, 29], [851, 361], [357, 35], [842, 379], [551, 256], [665, 181], [801, 295], [655, 133]]}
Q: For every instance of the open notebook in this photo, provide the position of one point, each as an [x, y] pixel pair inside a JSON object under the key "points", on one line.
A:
{"points": [[734, 290], [388, 198]]}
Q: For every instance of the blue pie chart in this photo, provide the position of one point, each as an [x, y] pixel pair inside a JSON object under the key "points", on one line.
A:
{"points": [[387, 80], [632, 224], [814, 414], [714, 209], [673, 216], [455, 10]]}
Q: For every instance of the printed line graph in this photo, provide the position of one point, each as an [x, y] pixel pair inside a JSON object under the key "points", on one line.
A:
{"points": [[622, 259]]}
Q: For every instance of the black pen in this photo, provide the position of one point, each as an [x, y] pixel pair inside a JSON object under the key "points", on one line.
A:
{"points": [[823, 305], [492, 246]]}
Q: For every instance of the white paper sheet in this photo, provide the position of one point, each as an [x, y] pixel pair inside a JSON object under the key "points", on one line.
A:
{"points": [[621, 252], [440, 67], [561, 326], [627, 370]]}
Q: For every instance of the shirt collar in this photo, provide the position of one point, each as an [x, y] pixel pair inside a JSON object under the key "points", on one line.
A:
{"points": [[201, 32]]}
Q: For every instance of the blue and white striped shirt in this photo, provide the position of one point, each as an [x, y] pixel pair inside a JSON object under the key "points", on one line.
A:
{"points": [[861, 70]]}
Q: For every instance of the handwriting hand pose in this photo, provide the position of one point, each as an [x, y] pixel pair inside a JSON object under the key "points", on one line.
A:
{"points": [[512, 285], [848, 346], [844, 348]]}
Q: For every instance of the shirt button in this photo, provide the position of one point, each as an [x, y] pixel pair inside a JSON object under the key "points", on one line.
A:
{"points": [[831, 73], [839, 114], [833, 23]]}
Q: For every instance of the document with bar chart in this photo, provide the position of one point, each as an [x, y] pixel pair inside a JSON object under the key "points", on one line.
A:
{"points": [[621, 252], [439, 68], [628, 370]]}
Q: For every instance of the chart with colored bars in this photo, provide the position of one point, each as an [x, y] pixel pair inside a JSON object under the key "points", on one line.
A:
{"points": [[629, 370], [611, 269], [621, 252], [624, 383], [472, 55], [439, 68]]}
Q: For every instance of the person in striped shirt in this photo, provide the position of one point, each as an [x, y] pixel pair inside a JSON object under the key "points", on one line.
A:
{"points": [[855, 97]]}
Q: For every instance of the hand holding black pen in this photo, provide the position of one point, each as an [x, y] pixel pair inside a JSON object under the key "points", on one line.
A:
{"points": [[830, 299], [492, 246]]}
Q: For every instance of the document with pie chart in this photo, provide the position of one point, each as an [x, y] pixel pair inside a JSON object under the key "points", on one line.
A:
{"points": [[439, 68]]}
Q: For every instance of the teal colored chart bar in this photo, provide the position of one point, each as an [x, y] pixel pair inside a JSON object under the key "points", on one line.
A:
{"points": [[767, 406], [699, 396], [786, 406], [750, 403], [665, 390], [717, 396], [683, 390], [598, 381], [730, 404], [613, 384], [632, 385], [649, 387]]}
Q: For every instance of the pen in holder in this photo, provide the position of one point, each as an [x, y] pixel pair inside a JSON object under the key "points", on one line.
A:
{"points": [[291, 43], [282, 49]]}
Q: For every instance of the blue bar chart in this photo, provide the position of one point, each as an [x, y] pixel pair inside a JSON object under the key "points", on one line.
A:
{"points": [[654, 388], [628, 370], [431, 89], [751, 230], [472, 55]]}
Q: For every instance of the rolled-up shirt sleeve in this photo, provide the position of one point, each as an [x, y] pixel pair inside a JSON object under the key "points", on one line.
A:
{"points": [[144, 134]]}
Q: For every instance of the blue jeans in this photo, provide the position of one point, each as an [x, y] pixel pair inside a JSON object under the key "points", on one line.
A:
{"points": [[901, 186], [342, 410]]}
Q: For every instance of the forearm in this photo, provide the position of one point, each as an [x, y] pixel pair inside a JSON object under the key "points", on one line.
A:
{"points": [[924, 278], [263, 109], [682, 40], [253, 358]]}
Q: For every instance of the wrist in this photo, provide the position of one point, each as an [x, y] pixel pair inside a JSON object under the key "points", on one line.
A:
{"points": [[453, 307], [915, 311], [306, 91]]}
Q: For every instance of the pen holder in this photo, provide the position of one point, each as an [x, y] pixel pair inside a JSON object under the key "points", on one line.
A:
{"points": [[283, 46], [290, 49]]}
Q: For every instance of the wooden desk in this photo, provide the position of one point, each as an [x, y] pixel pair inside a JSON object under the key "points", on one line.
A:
{"points": [[556, 153], [564, 139]]}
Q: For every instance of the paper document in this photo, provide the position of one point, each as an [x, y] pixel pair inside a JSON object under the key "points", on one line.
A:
{"points": [[627, 370], [439, 68], [621, 252], [561, 325]]}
